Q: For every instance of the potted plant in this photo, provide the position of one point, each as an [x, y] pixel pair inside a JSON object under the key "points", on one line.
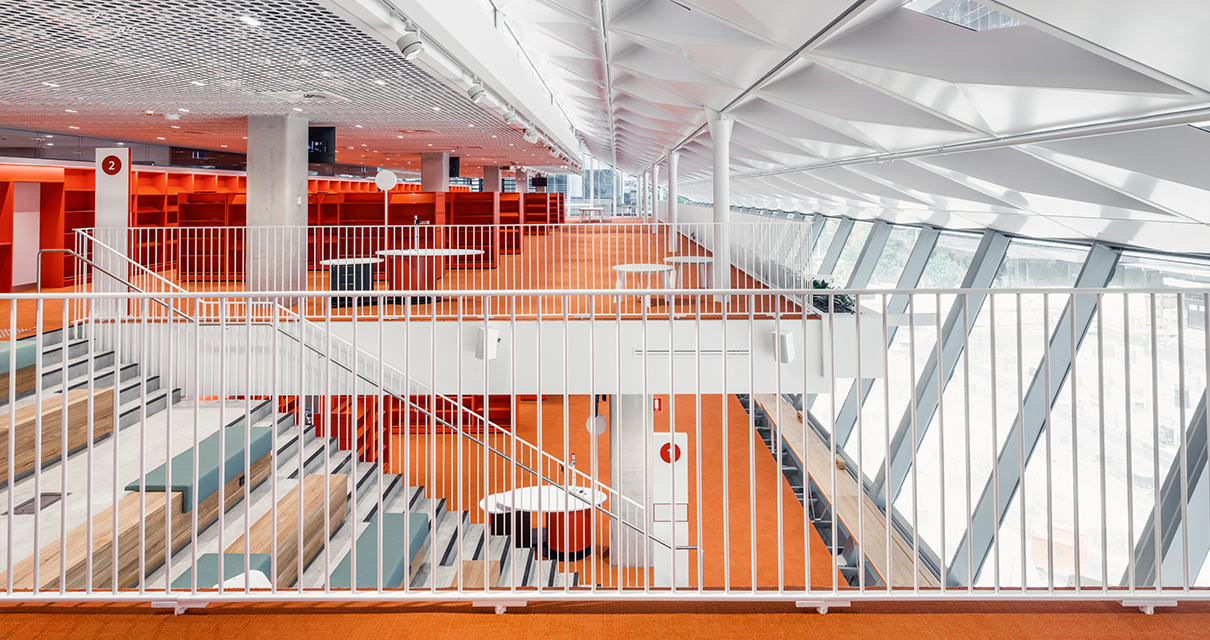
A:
{"points": [[841, 303]]}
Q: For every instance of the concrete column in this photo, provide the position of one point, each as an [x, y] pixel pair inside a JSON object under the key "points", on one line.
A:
{"points": [[630, 423], [720, 137], [522, 181], [492, 179], [435, 171], [275, 248], [673, 235]]}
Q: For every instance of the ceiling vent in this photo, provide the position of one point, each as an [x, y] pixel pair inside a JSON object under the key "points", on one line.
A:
{"points": [[306, 96]]}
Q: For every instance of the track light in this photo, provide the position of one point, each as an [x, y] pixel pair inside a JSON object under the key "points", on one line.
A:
{"points": [[511, 117], [477, 93], [530, 136], [410, 45]]}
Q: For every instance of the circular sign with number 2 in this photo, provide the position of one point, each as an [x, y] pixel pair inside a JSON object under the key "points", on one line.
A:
{"points": [[111, 165]]}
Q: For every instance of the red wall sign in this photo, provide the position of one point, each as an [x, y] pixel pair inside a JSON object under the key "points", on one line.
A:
{"points": [[666, 450], [657, 405], [111, 165]]}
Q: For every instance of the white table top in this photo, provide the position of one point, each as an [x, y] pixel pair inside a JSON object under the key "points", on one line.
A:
{"points": [[551, 498], [642, 268], [689, 260], [415, 253], [592, 208], [349, 262]]}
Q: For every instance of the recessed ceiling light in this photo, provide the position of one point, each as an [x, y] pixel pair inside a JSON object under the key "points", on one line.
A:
{"points": [[493, 136], [71, 111], [51, 84], [158, 138], [434, 108], [380, 82], [430, 144], [470, 125], [51, 144], [297, 109], [198, 83], [357, 125], [71, 127], [223, 146], [250, 21], [398, 136], [121, 144], [174, 126], [245, 137]]}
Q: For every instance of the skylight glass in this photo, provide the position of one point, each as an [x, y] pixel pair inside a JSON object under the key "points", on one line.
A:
{"points": [[964, 13]]}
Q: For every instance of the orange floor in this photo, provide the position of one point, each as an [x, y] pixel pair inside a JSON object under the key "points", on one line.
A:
{"points": [[645, 621], [741, 450]]}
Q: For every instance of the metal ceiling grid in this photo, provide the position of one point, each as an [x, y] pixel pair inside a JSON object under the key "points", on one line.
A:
{"points": [[99, 65]]}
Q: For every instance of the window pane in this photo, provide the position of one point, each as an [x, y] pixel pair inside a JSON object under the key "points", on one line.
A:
{"points": [[850, 253]]}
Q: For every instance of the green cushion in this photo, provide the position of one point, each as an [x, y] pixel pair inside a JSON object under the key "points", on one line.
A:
{"points": [[27, 353], [398, 549], [233, 565], [208, 464]]}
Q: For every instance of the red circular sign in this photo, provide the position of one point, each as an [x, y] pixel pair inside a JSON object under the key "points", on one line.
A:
{"points": [[111, 165], [666, 449]]}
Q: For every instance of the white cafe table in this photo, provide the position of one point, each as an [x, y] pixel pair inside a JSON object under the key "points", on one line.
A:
{"points": [[568, 522], [704, 272], [642, 269], [351, 274], [600, 211], [417, 269]]}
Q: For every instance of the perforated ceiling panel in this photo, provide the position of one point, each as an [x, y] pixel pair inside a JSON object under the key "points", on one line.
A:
{"points": [[94, 67]]}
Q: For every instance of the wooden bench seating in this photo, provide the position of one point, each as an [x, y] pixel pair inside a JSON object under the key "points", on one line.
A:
{"points": [[260, 534], [77, 543], [209, 468], [402, 553], [52, 423]]}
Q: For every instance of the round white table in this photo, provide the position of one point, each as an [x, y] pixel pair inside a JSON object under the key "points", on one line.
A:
{"points": [[569, 517], [704, 272], [416, 269], [351, 274], [642, 269]]}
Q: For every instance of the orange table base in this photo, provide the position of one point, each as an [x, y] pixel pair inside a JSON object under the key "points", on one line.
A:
{"points": [[568, 535]]}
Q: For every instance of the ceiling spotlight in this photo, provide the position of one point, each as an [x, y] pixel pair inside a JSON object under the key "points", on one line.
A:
{"points": [[477, 93], [531, 135], [149, 112], [511, 117], [410, 45]]}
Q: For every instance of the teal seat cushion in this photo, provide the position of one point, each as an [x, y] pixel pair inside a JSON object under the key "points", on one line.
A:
{"points": [[26, 350], [233, 565], [208, 476], [399, 546]]}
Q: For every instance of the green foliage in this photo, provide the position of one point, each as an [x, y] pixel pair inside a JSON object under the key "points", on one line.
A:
{"points": [[841, 303]]}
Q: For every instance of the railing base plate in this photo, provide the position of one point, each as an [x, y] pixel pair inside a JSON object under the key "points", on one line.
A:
{"points": [[500, 605], [1148, 606], [179, 605], [821, 605]]}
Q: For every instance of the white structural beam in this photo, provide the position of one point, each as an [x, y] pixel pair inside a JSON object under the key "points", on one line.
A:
{"points": [[914, 424], [1030, 425], [720, 136]]}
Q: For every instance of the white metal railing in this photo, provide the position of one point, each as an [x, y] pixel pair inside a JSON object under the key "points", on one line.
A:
{"points": [[1061, 448], [532, 258]]}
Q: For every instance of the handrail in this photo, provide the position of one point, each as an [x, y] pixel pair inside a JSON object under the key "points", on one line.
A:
{"points": [[108, 273]]}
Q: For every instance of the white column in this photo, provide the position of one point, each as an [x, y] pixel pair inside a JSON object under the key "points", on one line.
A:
{"points": [[492, 179], [673, 234], [630, 426], [112, 220], [275, 248], [720, 137], [655, 192], [592, 175], [642, 196], [522, 180], [435, 171]]}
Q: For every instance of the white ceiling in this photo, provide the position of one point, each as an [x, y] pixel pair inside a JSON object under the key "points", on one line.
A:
{"points": [[93, 67], [1052, 120]]}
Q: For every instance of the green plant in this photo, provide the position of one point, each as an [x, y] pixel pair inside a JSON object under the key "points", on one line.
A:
{"points": [[841, 303]]}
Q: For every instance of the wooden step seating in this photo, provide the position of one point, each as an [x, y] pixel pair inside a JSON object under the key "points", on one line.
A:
{"points": [[26, 429], [312, 535], [233, 566], [404, 540], [481, 209], [26, 357], [474, 577], [132, 504], [512, 216]]}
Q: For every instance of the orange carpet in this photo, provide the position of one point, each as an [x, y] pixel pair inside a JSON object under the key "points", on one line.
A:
{"points": [[653, 621]]}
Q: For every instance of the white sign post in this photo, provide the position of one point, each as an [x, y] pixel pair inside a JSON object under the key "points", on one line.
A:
{"points": [[112, 221], [670, 508], [385, 181]]}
